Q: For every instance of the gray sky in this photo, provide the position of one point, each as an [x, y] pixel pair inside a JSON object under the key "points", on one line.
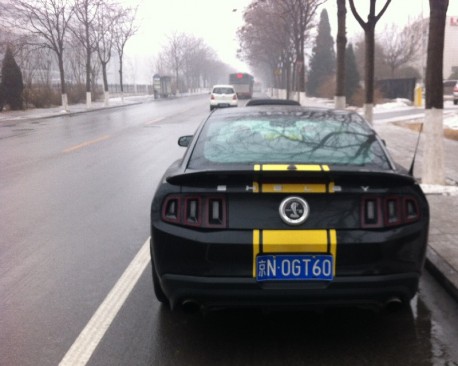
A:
{"points": [[216, 22]]}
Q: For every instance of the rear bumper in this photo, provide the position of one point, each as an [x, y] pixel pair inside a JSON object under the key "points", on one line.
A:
{"points": [[220, 292]]}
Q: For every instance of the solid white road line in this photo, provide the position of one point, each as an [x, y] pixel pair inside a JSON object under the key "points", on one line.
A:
{"points": [[86, 343]]}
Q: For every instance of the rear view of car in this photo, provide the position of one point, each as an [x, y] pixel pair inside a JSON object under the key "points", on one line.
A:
{"points": [[287, 206], [223, 96]]}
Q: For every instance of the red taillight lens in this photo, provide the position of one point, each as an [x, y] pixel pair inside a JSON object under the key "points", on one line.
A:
{"points": [[212, 97], [378, 212], [234, 97], [171, 209], [411, 210], [393, 211], [195, 211]]}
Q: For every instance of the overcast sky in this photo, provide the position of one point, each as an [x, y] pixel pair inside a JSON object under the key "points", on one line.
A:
{"points": [[216, 21]]}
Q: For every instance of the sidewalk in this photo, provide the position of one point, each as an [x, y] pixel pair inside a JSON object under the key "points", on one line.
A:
{"points": [[39, 113], [442, 252]]}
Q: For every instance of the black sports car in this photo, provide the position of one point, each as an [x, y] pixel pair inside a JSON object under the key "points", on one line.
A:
{"points": [[287, 206]]}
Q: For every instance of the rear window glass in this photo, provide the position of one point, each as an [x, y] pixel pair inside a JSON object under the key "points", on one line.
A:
{"points": [[223, 91], [299, 137]]}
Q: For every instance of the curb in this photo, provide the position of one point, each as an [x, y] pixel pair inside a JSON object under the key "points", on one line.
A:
{"points": [[445, 274]]}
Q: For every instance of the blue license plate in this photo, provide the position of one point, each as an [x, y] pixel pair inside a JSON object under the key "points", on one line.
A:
{"points": [[294, 267]]}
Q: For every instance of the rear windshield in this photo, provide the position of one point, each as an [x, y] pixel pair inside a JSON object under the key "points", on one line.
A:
{"points": [[300, 137], [223, 91]]}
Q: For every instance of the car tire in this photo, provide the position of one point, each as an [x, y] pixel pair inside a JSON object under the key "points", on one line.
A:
{"points": [[455, 101], [160, 295], [211, 108]]}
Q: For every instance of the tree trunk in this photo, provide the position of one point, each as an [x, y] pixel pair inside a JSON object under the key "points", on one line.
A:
{"points": [[105, 84], [63, 87], [340, 101], [120, 79], [433, 158]]}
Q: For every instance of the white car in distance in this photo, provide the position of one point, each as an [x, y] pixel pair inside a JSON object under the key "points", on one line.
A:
{"points": [[223, 96]]}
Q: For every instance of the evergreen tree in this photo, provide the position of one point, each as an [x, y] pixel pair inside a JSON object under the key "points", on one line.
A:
{"points": [[11, 84], [351, 74], [323, 61]]}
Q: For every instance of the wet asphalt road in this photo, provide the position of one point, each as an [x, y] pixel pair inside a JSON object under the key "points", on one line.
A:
{"points": [[74, 210]]}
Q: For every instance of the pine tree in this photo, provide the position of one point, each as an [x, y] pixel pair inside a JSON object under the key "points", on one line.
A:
{"points": [[323, 62], [11, 84], [351, 74]]}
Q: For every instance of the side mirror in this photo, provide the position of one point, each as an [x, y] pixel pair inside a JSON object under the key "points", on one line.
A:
{"points": [[184, 141]]}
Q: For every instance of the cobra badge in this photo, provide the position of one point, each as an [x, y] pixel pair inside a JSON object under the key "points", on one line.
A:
{"points": [[293, 210]]}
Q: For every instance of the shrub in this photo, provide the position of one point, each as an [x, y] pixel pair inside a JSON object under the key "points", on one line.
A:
{"points": [[12, 81]]}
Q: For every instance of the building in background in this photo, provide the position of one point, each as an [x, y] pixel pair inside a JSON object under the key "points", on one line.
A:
{"points": [[451, 47]]}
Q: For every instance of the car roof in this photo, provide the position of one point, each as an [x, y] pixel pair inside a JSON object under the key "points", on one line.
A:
{"points": [[279, 109], [270, 101], [222, 86]]}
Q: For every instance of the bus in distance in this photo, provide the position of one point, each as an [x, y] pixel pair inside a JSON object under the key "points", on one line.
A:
{"points": [[243, 84]]}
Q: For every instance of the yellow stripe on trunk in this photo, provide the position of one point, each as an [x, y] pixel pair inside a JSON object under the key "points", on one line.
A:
{"points": [[256, 241], [294, 241]]}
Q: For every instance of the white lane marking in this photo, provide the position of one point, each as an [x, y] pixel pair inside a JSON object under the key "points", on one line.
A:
{"points": [[86, 343]]}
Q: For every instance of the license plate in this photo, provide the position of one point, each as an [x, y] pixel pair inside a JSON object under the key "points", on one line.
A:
{"points": [[294, 267]]}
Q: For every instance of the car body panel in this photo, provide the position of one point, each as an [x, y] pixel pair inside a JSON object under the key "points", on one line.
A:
{"points": [[214, 262]]}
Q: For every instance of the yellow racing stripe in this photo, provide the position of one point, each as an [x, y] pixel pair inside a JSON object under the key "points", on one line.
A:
{"points": [[256, 242], [294, 241], [293, 188]]}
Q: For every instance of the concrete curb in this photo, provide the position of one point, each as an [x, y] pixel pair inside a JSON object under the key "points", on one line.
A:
{"points": [[445, 274]]}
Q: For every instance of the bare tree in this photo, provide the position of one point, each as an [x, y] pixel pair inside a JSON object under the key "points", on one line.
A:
{"points": [[300, 14], [275, 33], [48, 22], [175, 52], [265, 38], [123, 29], [86, 14], [433, 159], [369, 40], [340, 101], [106, 17], [401, 46]]}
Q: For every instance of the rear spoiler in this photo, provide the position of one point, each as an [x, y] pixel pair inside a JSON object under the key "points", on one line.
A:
{"points": [[192, 177]]}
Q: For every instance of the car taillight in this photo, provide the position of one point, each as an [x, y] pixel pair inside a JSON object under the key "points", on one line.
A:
{"points": [[212, 96], [378, 212], [195, 211], [455, 89], [234, 97]]}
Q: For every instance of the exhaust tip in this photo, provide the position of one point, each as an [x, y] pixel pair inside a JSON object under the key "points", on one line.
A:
{"points": [[190, 306], [394, 304]]}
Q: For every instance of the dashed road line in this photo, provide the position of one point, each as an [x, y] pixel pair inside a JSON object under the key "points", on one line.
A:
{"points": [[85, 144], [154, 121], [86, 343]]}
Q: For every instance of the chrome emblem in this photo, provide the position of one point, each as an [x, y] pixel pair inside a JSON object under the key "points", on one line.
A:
{"points": [[293, 210]]}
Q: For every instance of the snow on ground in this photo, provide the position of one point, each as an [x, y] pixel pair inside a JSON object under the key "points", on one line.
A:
{"points": [[450, 117]]}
